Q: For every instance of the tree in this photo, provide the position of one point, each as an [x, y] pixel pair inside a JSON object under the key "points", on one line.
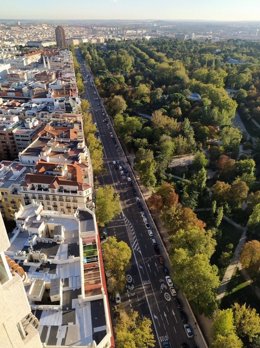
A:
{"points": [[165, 123], [238, 192], [247, 321], [196, 277], [116, 105], [133, 332], [85, 105], [164, 197], [200, 161], [195, 240], [116, 256], [254, 221], [188, 132], [223, 322], [219, 217], [107, 204], [94, 144], [226, 166], [229, 341], [252, 200], [178, 217], [231, 138], [221, 191], [142, 93], [224, 332], [146, 166], [250, 256]]}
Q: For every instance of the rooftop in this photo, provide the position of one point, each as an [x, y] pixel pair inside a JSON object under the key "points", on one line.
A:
{"points": [[63, 284]]}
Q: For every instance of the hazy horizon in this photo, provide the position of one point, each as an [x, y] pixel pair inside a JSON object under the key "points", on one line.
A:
{"points": [[173, 10]]}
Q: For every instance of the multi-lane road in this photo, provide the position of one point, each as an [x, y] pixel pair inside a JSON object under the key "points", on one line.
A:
{"points": [[147, 290]]}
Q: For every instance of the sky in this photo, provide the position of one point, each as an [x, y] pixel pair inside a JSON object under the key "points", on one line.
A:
{"points": [[234, 10]]}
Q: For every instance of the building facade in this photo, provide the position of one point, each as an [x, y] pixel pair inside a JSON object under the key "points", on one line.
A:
{"points": [[18, 326]]}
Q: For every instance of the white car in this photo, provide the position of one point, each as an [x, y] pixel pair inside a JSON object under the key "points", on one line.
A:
{"points": [[150, 232], [173, 292], [188, 330], [118, 298], [129, 179], [169, 281]]}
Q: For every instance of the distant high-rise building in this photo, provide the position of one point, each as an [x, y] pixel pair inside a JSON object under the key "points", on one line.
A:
{"points": [[60, 37]]}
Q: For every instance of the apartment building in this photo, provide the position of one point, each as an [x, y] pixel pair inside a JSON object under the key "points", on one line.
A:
{"points": [[59, 187], [18, 326], [26, 132], [8, 123], [67, 289], [65, 150], [11, 176]]}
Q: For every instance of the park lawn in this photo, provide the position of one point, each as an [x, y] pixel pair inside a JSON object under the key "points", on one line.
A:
{"points": [[240, 291]]}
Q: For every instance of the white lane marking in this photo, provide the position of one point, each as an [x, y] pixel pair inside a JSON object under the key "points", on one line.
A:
{"points": [[173, 313], [165, 316]]}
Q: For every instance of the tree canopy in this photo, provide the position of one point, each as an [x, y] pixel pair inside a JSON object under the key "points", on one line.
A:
{"points": [[107, 204]]}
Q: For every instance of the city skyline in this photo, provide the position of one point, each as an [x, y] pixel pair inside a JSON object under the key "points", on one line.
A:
{"points": [[230, 10]]}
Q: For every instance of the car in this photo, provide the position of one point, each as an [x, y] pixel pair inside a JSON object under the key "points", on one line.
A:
{"points": [[166, 270], [130, 287], [188, 330], [114, 162], [150, 232], [147, 226], [166, 344], [156, 248], [179, 303], [117, 298], [103, 235], [129, 179], [169, 281], [185, 345], [184, 317], [144, 219], [173, 292], [129, 278]]}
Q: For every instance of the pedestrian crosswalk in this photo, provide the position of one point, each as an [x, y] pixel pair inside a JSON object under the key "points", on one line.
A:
{"points": [[132, 235]]}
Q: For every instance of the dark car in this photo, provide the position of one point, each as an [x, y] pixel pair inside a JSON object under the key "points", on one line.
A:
{"points": [[166, 344], [166, 271], [184, 317], [185, 345], [156, 248], [179, 303]]}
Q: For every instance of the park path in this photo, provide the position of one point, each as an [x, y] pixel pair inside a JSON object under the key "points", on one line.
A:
{"points": [[235, 261]]}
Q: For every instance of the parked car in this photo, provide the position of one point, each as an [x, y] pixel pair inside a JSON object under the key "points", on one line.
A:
{"points": [[150, 232], [185, 345], [179, 303], [156, 248], [166, 271], [184, 317], [117, 298], [166, 344], [169, 281], [188, 330], [173, 292]]}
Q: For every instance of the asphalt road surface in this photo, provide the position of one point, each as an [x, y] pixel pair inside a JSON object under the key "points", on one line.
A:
{"points": [[147, 290]]}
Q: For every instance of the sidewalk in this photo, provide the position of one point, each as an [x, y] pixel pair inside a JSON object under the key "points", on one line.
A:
{"points": [[235, 261]]}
